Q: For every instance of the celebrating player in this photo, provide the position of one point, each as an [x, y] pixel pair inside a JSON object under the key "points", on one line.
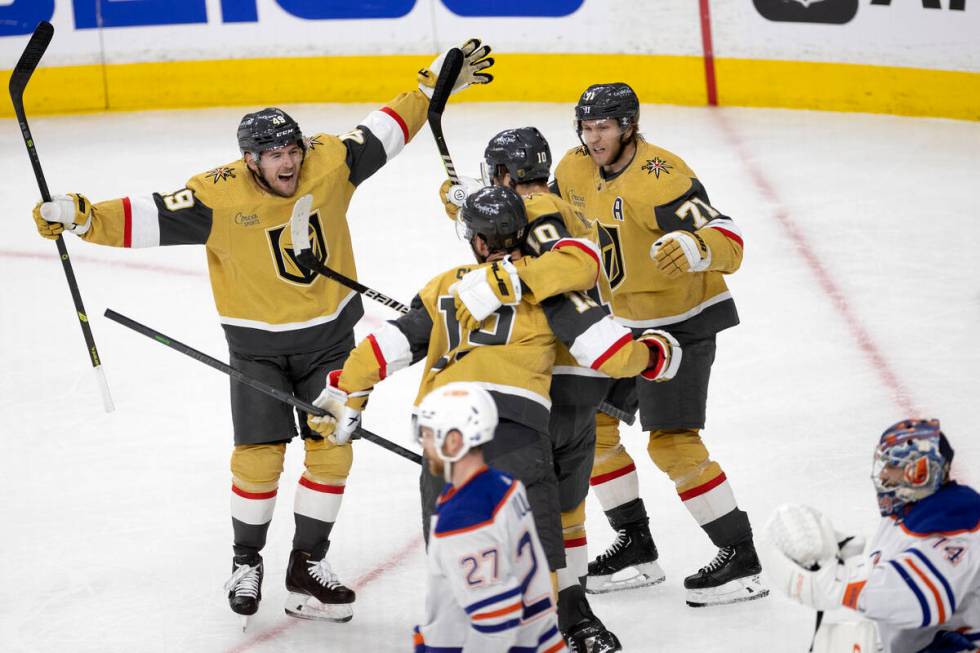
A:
{"points": [[511, 355], [284, 324], [488, 587], [920, 582], [665, 249], [564, 257]]}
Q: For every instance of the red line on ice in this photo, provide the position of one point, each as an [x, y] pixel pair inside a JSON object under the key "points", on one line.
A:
{"points": [[865, 341], [367, 578]]}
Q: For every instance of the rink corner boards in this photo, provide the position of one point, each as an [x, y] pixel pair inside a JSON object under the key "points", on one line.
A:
{"points": [[519, 78]]}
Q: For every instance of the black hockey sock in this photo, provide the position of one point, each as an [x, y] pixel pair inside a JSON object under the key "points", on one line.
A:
{"points": [[730, 529], [573, 607], [628, 513], [310, 533]]}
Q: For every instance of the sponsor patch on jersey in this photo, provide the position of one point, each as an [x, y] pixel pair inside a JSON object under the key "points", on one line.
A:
{"points": [[221, 173], [656, 165]]}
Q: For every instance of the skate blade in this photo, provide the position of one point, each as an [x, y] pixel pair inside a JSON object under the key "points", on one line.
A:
{"points": [[641, 575], [244, 622], [303, 606], [749, 588]]}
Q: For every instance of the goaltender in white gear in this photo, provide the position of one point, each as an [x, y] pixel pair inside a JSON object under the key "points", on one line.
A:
{"points": [[488, 585], [919, 584]]}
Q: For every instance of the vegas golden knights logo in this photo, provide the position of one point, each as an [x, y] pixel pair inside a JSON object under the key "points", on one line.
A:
{"points": [[612, 254], [286, 265]]}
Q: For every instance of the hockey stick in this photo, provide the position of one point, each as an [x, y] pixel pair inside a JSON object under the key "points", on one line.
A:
{"points": [[275, 393], [18, 83], [451, 67], [299, 228]]}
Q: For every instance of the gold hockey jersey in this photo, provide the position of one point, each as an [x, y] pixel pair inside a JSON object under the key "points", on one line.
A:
{"points": [[266, 301], [512, 355], [655, 194]]}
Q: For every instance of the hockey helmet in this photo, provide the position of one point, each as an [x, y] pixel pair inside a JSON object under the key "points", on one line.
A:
{"points": [[616, 100], [523, 152], [911, 462], [268, 129], [497, 215], [459, 406]]}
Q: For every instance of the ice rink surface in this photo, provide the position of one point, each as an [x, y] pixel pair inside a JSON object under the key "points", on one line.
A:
{"points": [[859, 298]]}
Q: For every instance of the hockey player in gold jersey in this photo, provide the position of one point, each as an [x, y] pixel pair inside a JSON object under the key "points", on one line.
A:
{"points": [[284, 325], [665, 250], [511, 354], [564, 257]]}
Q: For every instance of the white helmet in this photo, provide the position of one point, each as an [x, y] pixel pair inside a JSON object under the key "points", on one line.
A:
{"points": [[459, 406]]}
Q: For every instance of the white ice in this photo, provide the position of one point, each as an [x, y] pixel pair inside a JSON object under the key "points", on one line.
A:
{"points": [[859, 299]]}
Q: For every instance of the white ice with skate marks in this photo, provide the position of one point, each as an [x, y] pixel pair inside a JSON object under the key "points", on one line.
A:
{"points": [[116, 527]]}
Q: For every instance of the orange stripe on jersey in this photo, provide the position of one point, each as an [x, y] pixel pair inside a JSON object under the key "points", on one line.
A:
{"points": [[932, 588], [609, 476], [417, 639], [496, 613], [128, 225], [321, 487], [703, 488], [560, 646], [609, 353], [474, 527], [851, 594], [401, 123], [378, 356]]}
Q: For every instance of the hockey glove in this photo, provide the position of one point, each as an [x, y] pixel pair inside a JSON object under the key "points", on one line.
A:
{"points": [[453, 196], [482, 291], [679, 252], [343, 411], [475, 62], [72, 212], [665, 355]]}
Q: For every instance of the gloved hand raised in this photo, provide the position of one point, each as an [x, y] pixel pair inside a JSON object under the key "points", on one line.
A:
{"points": [[475, 62]]}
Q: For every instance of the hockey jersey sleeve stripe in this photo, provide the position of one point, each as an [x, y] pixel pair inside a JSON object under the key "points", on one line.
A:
{"points": [[128, 227], [391, 346], [380, 357], [388, 127], [599, 342], [731, 235], [926, 614], [851, 594], [142, 222], [605, 478], [940, 608], [483, 616], [497, 628], [535, 609], [583, 245], [938, 575], [496, 598]]}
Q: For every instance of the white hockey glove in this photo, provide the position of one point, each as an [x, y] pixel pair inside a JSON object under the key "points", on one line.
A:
{"points": [[343, 411], [482, 291], [475, 62], [679, 252], [802, 559], [64, 212], [665, 355], [453, 195]]}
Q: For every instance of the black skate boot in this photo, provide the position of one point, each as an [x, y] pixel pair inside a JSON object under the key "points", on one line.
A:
{"points": [[731, 577], [591, 636], [630, 561], [314, 590], [245, 585]]}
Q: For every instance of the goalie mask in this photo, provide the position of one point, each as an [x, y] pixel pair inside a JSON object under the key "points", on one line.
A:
{"points": [[911, 462], [463, 407]]}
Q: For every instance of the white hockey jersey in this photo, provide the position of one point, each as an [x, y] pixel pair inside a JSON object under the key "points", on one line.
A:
{"points": [[923, 590], [488, 587]]}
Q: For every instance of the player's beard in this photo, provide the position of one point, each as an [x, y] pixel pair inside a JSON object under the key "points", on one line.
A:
{"points": [[437, 467]]}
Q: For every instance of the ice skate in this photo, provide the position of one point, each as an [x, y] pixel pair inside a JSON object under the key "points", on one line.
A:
{"points": [[591, 636], [245, 586], [733, 576], [315, 592], [630, 561]]}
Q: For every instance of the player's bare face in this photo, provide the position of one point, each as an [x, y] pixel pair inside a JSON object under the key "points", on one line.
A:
{"points": [[279, 169], [604, 138], [436, 466]]}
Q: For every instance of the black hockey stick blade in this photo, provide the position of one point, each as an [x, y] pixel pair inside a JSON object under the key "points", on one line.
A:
{"points": [[30, 59], [264, 388], [451, 67]]}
